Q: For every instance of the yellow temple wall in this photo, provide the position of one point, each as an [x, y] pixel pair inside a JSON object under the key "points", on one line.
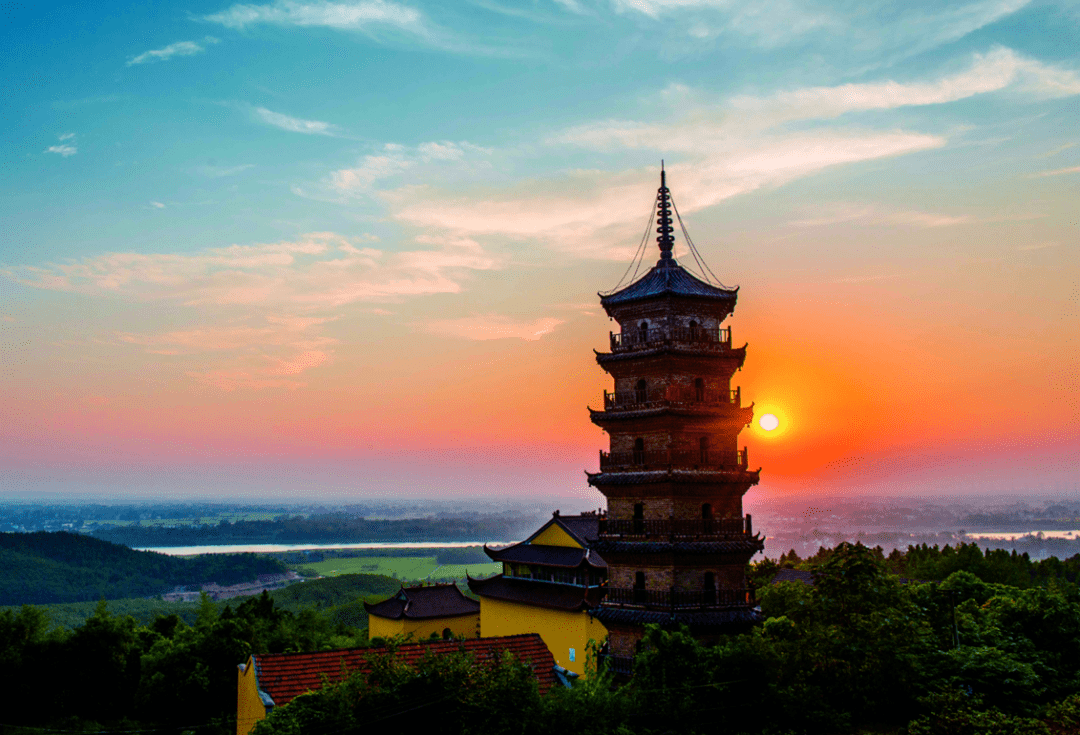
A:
{"points": [[249, 706], [459, 625], [555, 536], [561, 630]]}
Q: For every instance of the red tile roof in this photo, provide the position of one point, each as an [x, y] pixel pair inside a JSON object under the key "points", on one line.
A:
{"points": [[285, 676]]}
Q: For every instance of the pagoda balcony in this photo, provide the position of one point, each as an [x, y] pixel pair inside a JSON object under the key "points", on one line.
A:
{"points": [[675, 529], [679, 396], [676, 599], [698, 337], [672, 459]]}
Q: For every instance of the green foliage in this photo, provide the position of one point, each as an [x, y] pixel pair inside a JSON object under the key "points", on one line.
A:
{"points": [[42, 567]]}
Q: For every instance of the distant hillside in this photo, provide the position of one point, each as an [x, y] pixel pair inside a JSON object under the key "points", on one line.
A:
{"points": [[44, 567], [329, 528], [337, 599]]}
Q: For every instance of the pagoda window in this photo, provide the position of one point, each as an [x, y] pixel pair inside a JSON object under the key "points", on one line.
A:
{"points": [[639, 518], [641, 391], [693, 330], [643, 332], [699, 390], [706, 511], [703, 449], [709, 588], [639, 451], [639, 588]]}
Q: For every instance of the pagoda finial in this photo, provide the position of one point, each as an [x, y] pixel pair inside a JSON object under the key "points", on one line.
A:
{"points": [[663, 200]]}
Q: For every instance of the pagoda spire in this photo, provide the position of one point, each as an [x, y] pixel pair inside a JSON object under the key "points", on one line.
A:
{"points": [[663, 206]]}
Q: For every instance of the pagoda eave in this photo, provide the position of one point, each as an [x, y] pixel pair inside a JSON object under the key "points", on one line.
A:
{"points": [[697, 620], [737, 415], [646, 477], [737, 354]]}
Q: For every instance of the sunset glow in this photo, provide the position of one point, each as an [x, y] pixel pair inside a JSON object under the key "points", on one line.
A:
{"points": [[254, 252]]}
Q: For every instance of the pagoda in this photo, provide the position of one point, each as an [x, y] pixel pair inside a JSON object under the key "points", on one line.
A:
{"points": [[675, 539]]}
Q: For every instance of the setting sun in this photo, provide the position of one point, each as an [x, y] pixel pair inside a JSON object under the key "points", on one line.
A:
{"points": [[768, 422]]}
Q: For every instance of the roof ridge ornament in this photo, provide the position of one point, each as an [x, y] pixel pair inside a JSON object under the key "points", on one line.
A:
{"points": [[664, 222]]}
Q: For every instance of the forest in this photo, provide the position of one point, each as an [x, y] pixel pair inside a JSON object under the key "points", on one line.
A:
{"points": [[43, 567], [934, 641]]}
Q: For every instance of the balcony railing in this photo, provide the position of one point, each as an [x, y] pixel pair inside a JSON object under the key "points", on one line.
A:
{"points": [[675, 599], [623, 665], [663, 459], [635, 400], [675, 528], [636, 339]]}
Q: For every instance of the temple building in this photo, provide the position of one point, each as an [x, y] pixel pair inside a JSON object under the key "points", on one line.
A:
{"points": [[420, 612], [550, 584], [675, 540]]}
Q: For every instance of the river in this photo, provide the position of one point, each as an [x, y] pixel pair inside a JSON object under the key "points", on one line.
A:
{"points": [[268, 548]]}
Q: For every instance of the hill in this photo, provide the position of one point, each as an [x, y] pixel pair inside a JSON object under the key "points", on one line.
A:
{"points": [[45, 567]]}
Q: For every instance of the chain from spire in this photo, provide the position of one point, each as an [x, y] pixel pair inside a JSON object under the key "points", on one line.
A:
{"points": [[663, 219]]}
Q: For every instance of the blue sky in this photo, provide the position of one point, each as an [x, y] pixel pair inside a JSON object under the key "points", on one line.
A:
{"points": [[250, 215]]}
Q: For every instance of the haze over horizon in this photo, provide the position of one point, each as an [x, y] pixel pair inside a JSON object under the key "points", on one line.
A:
{"points": [[342, 250]]}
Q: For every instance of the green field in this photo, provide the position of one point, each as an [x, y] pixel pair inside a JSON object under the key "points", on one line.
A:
{"points": [[406, 568]]}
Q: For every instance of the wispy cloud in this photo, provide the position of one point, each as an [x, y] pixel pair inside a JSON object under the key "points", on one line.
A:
{"points": [[876, 214], [322, 270], [157, 205], [294, 124], [349, 16], [878, 29], [180, 48], [217, 172], [64, 149], [394, 159], [262, 307], [1055, 172], [493, 326]]}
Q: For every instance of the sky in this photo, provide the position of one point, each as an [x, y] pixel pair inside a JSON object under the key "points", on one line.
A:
{"points": [[339, 250]]}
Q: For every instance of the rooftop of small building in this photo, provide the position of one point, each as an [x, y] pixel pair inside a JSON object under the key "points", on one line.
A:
{"points": [[429, 601], [563, 557], [285, 676]]}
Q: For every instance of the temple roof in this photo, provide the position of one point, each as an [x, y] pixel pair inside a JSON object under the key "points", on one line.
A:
{"points": [[539, 594], [285, 676], [565, 557], [418, 603], [668, 278]]}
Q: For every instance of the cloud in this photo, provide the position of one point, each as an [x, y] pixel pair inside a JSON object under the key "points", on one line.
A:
{"points": [[293, 124], [493, 326], [394, 159], [63, 150], [571, 211], [348, 16], [874, 214], [322, 270], [157, 205], [1055, 172], [876, 28], [180, 48], [217, 172]]}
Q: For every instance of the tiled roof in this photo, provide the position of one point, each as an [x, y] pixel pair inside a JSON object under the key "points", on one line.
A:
{"points": [[668, 278], [285, 676], [696, 349], [794, 575], [736, 545], [629, 616], [585, 526], [417, 603], [565, 557], [540, 594]]}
